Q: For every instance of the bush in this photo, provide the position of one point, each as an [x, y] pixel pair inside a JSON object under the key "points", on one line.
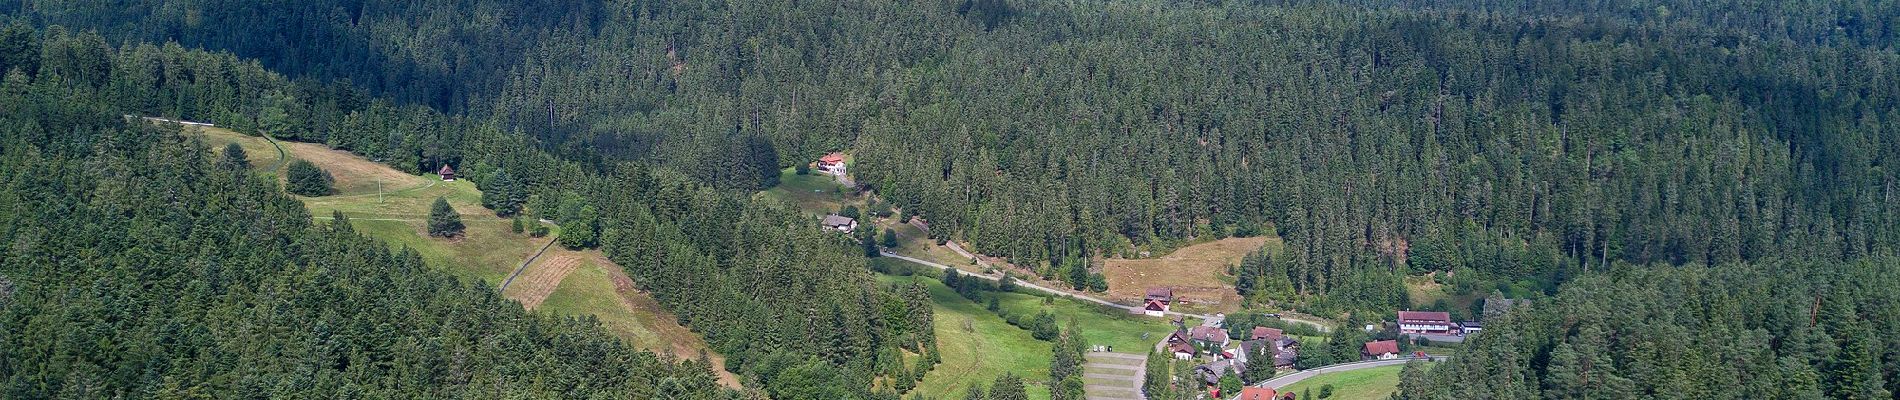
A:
{"points": [[802, 169], [305, 179], [539, 230], [1326, 390]]}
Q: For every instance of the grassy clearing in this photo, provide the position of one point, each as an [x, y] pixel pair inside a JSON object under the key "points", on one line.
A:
{"points": [[977, 346], [262, 155], [393, 206], [1100, 325], [1197, 273], [816, 193], [1365, 384]]}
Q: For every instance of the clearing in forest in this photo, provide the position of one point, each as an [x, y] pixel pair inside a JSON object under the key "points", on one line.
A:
{"points": [[976, 345], [561, 281], [1197, 273]]}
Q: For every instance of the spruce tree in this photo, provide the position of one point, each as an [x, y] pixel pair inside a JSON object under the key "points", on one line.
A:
{"points": [[306, 179], [235, 158], [443, 220], [503, 194]]}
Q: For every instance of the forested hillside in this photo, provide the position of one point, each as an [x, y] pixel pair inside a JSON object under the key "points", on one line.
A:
{"points": [[1528, 142], [836, 334], [1620, 144], [138, 265], [1774, 329]]}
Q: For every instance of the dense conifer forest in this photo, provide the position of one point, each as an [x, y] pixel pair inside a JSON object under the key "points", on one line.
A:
{"points": [[1595, 152], [1530, 142]]}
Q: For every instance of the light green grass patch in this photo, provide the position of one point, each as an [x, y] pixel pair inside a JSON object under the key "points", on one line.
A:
{"points": [[1364, 384], [977, 346], [816, 193]]}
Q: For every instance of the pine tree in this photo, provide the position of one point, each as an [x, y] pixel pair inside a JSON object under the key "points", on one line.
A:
{"points": [[1008, 387], [235, 158], [443, 220], [306, 179], [503, 194]]}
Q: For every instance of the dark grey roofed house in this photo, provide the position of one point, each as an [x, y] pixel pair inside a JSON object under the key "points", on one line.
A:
{"points": [[839, 222], [1211, 372]]}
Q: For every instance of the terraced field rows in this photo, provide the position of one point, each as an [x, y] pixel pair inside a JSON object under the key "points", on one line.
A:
{"points": [[1113, 376]]}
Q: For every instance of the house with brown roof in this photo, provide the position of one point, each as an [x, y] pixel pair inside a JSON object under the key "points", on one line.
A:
{"points": [[1380, 350], [1155, 308], [833, 163], [1257, 393], [1208, 337], [448, 174], [1426, 322], [1265, 333]]}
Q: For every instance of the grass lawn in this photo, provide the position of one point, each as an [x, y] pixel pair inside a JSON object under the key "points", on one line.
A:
{"points": [[1100, 325], [977, 346], [816, 194], [1365, 384]]}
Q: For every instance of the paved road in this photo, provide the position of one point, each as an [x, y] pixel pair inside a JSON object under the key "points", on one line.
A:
{"points": [[1132, 309]]}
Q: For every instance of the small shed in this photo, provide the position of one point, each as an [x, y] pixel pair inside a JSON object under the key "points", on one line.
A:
{"points": [[448, 174]]}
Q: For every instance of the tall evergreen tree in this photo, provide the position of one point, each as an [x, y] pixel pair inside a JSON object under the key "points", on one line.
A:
{"points": [[444, 221]]}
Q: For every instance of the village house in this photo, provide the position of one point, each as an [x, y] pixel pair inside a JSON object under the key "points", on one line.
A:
{"points": [[832, 163], [1261, 393], [448, 174], [1265, 333], [1157, 301], [1426, 322], [1380, 350], [1470, 327], [1285, 351], [1182, 351], [1211, 372], [840, 223], [1208, 337]]}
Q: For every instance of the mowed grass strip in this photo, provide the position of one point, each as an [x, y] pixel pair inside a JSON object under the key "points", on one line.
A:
{"points": [[1364, 384], [977, 346]]}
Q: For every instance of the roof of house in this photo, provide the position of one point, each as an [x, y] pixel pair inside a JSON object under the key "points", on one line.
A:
{"points": [[1160, 292], [1208, 333], [445, 170], [1156, 305], [1471, 324], [1214, 370], [1382, 347], [1257, 393], [1182, 348], [838, 220], [1249, 346], [832, 158], [1179, 335], [1425, 316], [1261, 332]]}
